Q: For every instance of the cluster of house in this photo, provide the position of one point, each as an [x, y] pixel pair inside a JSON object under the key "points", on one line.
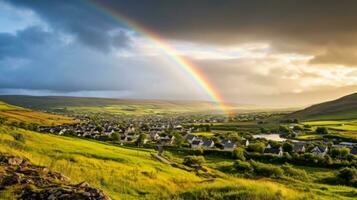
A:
{"points": [[317, 150], [198, 142], [88, 130]]}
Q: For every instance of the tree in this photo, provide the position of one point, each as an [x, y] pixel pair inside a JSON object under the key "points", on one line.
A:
{"points": [[340, 152], [298, 128], [194, 161], [348, 175], [141, 139], [287, 147], [257, 147], [116, 137], [238, 153], [179, 139], [321, 130], [284, 130]]}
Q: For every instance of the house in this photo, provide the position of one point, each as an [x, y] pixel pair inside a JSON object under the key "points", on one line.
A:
{"points": [[208, 143], [190, 138], [168, 139], [319, 151], [299, 148], [123, 137], [154, 135], [229, 146], [275, 151], [131, 137], [245, 142], [348, 144], [196, 144]]}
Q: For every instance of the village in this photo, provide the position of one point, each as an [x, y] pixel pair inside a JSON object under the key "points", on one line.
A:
{"points": [[195, 133]]}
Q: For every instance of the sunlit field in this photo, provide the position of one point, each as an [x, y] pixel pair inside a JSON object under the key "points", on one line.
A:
{"points": [[130, 173]]}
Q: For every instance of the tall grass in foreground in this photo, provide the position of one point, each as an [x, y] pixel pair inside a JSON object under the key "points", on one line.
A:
{"points": [[129, 173]]}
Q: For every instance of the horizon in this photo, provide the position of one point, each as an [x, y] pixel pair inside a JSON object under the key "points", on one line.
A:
{"points": [[124, 50]]}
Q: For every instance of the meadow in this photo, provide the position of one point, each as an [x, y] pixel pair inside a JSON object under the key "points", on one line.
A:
{"points": [[131, 173], [342, 128], [17, 114]]}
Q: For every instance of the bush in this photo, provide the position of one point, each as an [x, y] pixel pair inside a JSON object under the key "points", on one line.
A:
{"points": [[340, 153], [238, 153], [19, 137], [243, 166], [267, 170], [348, 176], [193, 161], [257, 147], [290, 171], [321, 130]]}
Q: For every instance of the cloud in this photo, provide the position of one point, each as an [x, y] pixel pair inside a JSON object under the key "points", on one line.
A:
{"points": [[86, 24], [22, 42]]}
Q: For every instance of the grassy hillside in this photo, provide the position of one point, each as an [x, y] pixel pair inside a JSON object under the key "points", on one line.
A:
{"points": [[342, 108], [18, 114], [129, 173]]}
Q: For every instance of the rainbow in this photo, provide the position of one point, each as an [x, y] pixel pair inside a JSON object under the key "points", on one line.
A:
{"points": [[198, 76]]}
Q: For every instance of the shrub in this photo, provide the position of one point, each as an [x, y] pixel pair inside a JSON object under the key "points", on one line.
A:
{"points": [[267, 170], [19, 137], [290, 171], [348, 176], [193, 161], [238, 153], [243, 166], [340, 153], [287, 147], [257, 147], [116, 137], [321, 130]]}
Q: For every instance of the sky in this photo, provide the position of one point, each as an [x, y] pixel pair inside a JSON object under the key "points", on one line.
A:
{"points": [[278, 53]]}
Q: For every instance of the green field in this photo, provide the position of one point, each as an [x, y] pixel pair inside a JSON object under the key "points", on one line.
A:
{"points": [[18, 114], [344, 128], [129, 173]]}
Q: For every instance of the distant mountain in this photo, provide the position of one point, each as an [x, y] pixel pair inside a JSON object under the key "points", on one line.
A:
{"points": [[342, 108], [62, 105]]}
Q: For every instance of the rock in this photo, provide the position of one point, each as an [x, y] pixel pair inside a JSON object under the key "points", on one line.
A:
{"points": [[87, 194], [83, 184], [15, 160], [36, 182]]}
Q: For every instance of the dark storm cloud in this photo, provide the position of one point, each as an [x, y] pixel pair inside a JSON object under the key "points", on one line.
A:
{"points": [[78, 18], [20, 44], [312, 27]]}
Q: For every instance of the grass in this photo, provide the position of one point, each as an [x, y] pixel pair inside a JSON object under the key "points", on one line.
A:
{"points": [[203, 134], [343, 128], [130, 173], [18, 114]]}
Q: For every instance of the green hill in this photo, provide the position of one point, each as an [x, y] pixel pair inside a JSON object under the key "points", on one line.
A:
{"points": [[17, 114], [132, 173], [342, 108]]}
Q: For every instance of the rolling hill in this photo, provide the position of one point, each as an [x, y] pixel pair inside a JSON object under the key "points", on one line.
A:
{"points": [[342, 108], [116, 106], [18, 114]]}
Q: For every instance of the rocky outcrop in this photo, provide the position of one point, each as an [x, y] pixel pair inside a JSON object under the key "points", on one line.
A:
{"points": [[32, 182]]}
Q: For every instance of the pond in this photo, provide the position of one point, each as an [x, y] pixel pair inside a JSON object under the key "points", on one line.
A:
{"points": [[273, 137]]}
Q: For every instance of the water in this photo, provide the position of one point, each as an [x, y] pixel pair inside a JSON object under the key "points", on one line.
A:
{"points": [[273, 137]]}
